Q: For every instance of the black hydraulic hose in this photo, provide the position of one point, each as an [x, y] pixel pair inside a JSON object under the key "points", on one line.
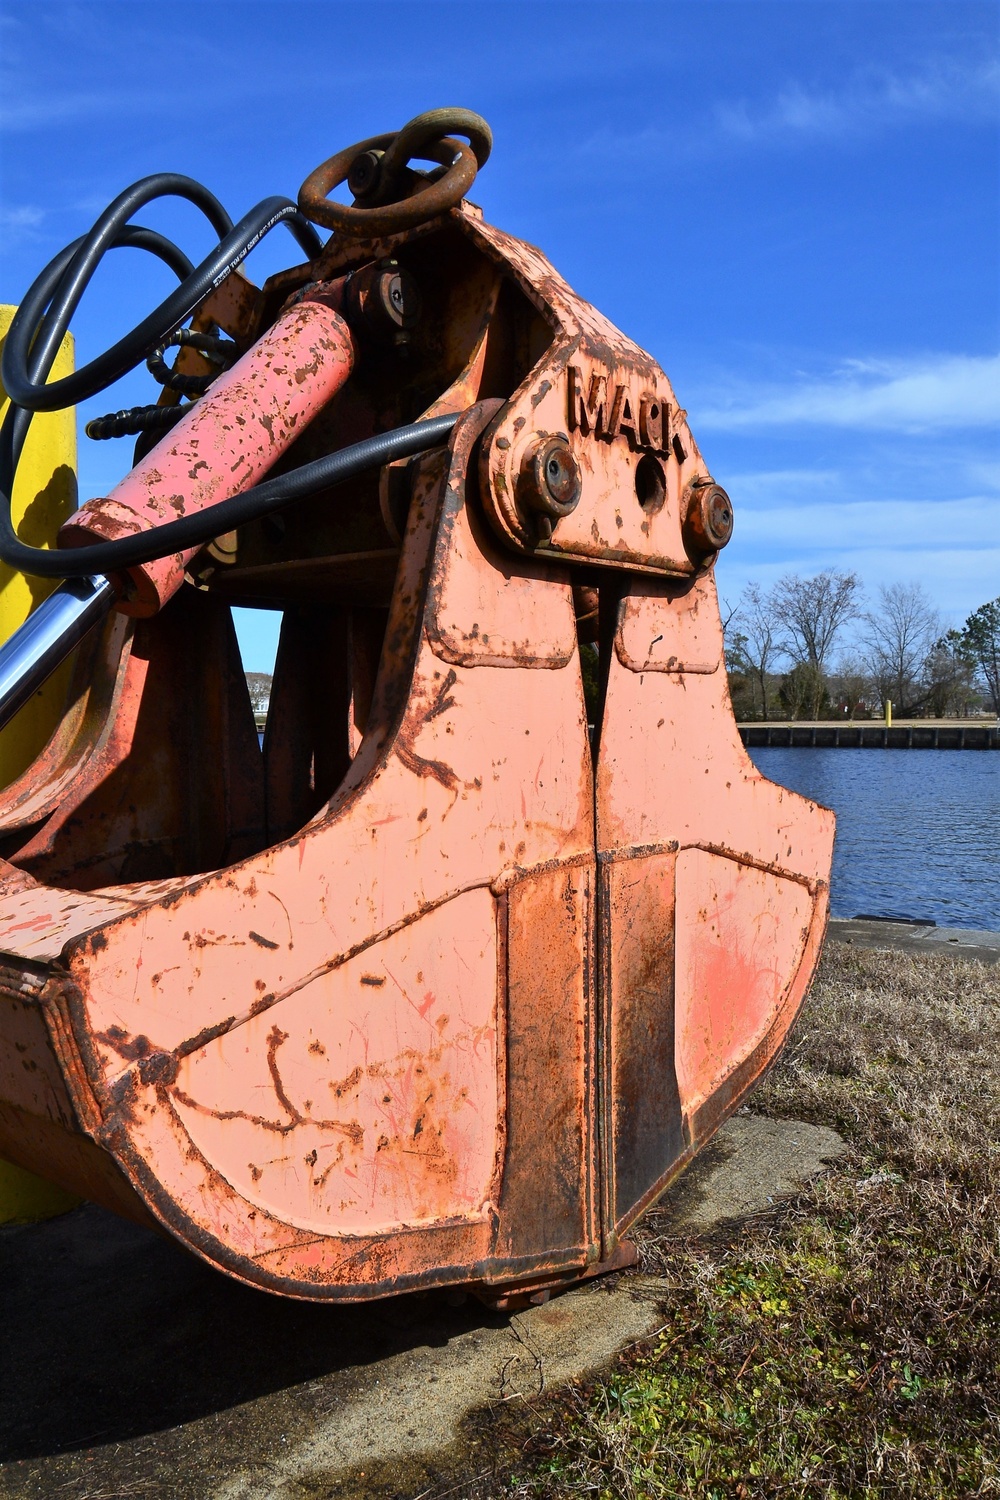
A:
{"points": [[41, 321], [38, 326], [133, 236], [33, 340], [135, 420], [220, 352], [50, 302], [227, 515], [136, 237]]}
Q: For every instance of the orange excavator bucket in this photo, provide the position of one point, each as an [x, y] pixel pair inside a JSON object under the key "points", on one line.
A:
{"points": [[447, 981]]}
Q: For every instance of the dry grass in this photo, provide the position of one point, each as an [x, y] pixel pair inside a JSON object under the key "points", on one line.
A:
{"points": [[850, 1344]]}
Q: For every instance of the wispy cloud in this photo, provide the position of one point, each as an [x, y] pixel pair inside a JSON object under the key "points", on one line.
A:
{"points": [[27, 216], [762, 484], [957, 581], [20, 222], [935, 393], [24, 110], [952, 546], [867, 102], [30, 101], [870, 522], [984, 473], [872, 98]]}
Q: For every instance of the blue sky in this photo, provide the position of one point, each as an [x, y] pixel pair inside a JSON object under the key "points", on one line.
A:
{"points": [[792, 204]]}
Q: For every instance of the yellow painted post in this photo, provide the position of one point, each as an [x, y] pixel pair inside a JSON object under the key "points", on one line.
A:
{"points": [[25, 1198], [44, 495], [888, 713]]}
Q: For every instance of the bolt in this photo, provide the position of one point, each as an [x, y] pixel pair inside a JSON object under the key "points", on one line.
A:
{"points": [[562, 477], [363, 177], [383, 302], [399, 298], [550, 484], [708, 522], [551, 478]]}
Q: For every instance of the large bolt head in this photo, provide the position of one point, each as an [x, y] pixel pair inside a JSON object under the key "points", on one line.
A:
{"points": [[550, 482], [399, 298], [708, 519], [562, 477], [383, 302], [362, 179]]}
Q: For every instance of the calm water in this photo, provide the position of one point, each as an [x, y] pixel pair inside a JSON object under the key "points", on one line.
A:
{"points": [[918, 831]]}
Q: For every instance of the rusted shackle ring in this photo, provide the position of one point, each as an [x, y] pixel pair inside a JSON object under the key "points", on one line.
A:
{"points": [[388, 196]]}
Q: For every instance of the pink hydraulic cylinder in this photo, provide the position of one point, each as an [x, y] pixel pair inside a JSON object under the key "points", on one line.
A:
{"points": [[229, 440]]}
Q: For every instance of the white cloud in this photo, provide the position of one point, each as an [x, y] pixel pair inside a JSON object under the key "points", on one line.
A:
{"points": [[864, 103], [943, 391], [984, 473], [906, 525], [952, 547], [764, 483], [26, 216], [872, 98], [26, 111], [20, 223]]}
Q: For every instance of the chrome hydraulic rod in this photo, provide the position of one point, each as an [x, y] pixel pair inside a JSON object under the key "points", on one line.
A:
{"points": [[47, 637]]}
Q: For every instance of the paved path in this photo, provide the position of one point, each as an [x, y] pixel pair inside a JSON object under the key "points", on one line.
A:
{"points": [[131, 1369]]}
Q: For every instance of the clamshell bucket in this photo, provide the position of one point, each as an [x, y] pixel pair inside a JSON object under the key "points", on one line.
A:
{"points": [[452, 978]]}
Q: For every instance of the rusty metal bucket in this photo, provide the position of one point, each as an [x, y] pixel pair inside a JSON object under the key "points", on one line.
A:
{"points": [[451, 981]]}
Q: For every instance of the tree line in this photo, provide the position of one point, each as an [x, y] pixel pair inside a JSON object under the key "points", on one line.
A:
{"points": [[818, 648]]}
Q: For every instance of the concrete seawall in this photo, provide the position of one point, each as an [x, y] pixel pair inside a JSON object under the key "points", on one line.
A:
{"points": [[916, 937], [925, 735]]}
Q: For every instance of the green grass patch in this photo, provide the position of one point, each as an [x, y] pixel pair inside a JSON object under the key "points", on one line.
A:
{"points": [[848, 1344]]}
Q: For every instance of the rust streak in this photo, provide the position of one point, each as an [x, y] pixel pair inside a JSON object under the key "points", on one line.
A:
{"points": [[442, 699], [262, 942], [423, 767]]}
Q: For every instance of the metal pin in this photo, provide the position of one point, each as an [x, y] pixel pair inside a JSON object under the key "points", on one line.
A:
{"points": [[47, 637]]}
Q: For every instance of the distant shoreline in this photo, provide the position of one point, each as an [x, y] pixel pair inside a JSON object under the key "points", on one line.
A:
{"points": [[868, 734]]}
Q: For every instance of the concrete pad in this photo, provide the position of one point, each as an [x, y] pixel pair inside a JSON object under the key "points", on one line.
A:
{"points": [[746, 1169], [911, 937], [130, 1369], [415, 1403]]}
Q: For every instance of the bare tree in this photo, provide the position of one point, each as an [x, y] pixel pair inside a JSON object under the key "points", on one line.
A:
{"points": [[810, 614], [851, 687], [899, 635], [950, 670], [758, 642], [259, 688]]}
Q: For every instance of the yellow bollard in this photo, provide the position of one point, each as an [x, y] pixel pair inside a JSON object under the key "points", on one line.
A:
{"points": [[888, 713], [25, 1198], [44, 495]]}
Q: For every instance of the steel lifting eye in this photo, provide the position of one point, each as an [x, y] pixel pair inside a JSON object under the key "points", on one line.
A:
{"points": [[389, 195]]}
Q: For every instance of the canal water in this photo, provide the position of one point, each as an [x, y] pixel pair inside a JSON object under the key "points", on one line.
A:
{"points": [[918, 831]]}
